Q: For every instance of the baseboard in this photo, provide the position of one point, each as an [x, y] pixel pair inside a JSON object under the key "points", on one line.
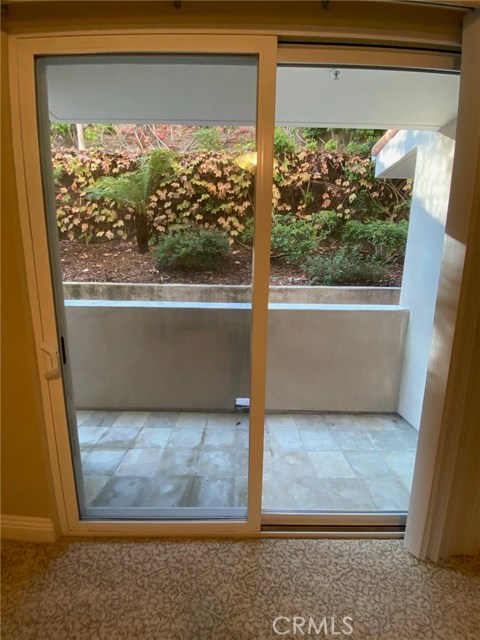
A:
{"points": [[28, 529]]}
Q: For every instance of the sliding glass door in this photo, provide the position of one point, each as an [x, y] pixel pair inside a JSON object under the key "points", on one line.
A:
{"points": [[153, 180], [181, 381], [362, 170], [148, 171]]}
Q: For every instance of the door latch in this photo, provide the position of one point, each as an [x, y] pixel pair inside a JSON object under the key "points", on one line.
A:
{"points": [[51, 363]]}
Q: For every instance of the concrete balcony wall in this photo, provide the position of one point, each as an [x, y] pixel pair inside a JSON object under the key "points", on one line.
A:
{"points": [[335, 357], [184, 355], [158, 355], [228, 293]]}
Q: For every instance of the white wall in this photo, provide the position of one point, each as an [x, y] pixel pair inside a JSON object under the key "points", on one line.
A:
{"points": [[166, 355], [433, 166]]}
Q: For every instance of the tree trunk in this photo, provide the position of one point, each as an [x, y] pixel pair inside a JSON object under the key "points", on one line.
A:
{"points": [[80, 137], [142, 232]]}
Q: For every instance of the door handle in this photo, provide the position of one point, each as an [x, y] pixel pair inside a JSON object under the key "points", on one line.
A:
{"points": [[51, 370]]}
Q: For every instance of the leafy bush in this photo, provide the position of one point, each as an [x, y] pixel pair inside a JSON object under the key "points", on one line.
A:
{"points": [[292, 238], [192, 249], [210, 189], [331, 145], [247, 233], [77, 217], [283, 142], [386, 240], [134, 189], [296, 238], [208, 139], [347, 266], [327, 224], [363, 149], [93, 132], [335, 181]]}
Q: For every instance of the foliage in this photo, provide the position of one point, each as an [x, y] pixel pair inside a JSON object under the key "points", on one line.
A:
{"points": [[247, 234], [310, 181], [352, 141], [362, 149], [327, 224], [60, 128], [95, 132], [315, 134], [192, 249], [331, 145], [208, 139], [210, 190], [283, 142], [134, 189], [385, 240], [361, 140], [61, 131], [292, 238], [139, 138], [346, 266], [77, 217], [295, 238]]}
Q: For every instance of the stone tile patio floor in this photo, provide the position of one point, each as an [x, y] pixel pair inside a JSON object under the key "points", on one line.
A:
{"points": [[311, 462]]}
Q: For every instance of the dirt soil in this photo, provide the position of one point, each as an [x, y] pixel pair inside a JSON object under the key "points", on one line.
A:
{"points": [[118, 261]]}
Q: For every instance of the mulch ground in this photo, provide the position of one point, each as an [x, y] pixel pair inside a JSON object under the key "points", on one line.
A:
{"points": [[118, 261]]}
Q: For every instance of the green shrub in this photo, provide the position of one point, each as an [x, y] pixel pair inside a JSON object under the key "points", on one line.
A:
{"points": [[135, 189], [363, 149], [347, 266], [247, 233], [385, 240], [315, 134], [327, 224], [283, 142], [192, 249], [208, 139], [331, 145], [292, 238]]}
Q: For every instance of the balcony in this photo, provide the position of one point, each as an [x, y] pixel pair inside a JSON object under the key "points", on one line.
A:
{"points": [[174, 371], [312, 461]]}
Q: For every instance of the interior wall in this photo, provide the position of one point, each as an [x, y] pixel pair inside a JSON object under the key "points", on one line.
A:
{"points": [[25, 485], [445, 500]]}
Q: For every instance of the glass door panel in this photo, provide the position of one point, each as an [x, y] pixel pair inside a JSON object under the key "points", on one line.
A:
{"points": [[362, 173], [148, 167]]}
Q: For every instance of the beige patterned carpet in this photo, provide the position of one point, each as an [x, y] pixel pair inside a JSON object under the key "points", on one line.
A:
{"points": [[224, 589]]}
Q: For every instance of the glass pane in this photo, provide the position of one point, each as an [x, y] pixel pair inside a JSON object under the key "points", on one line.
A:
{"points": [[362, 174], [153, 184]]}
